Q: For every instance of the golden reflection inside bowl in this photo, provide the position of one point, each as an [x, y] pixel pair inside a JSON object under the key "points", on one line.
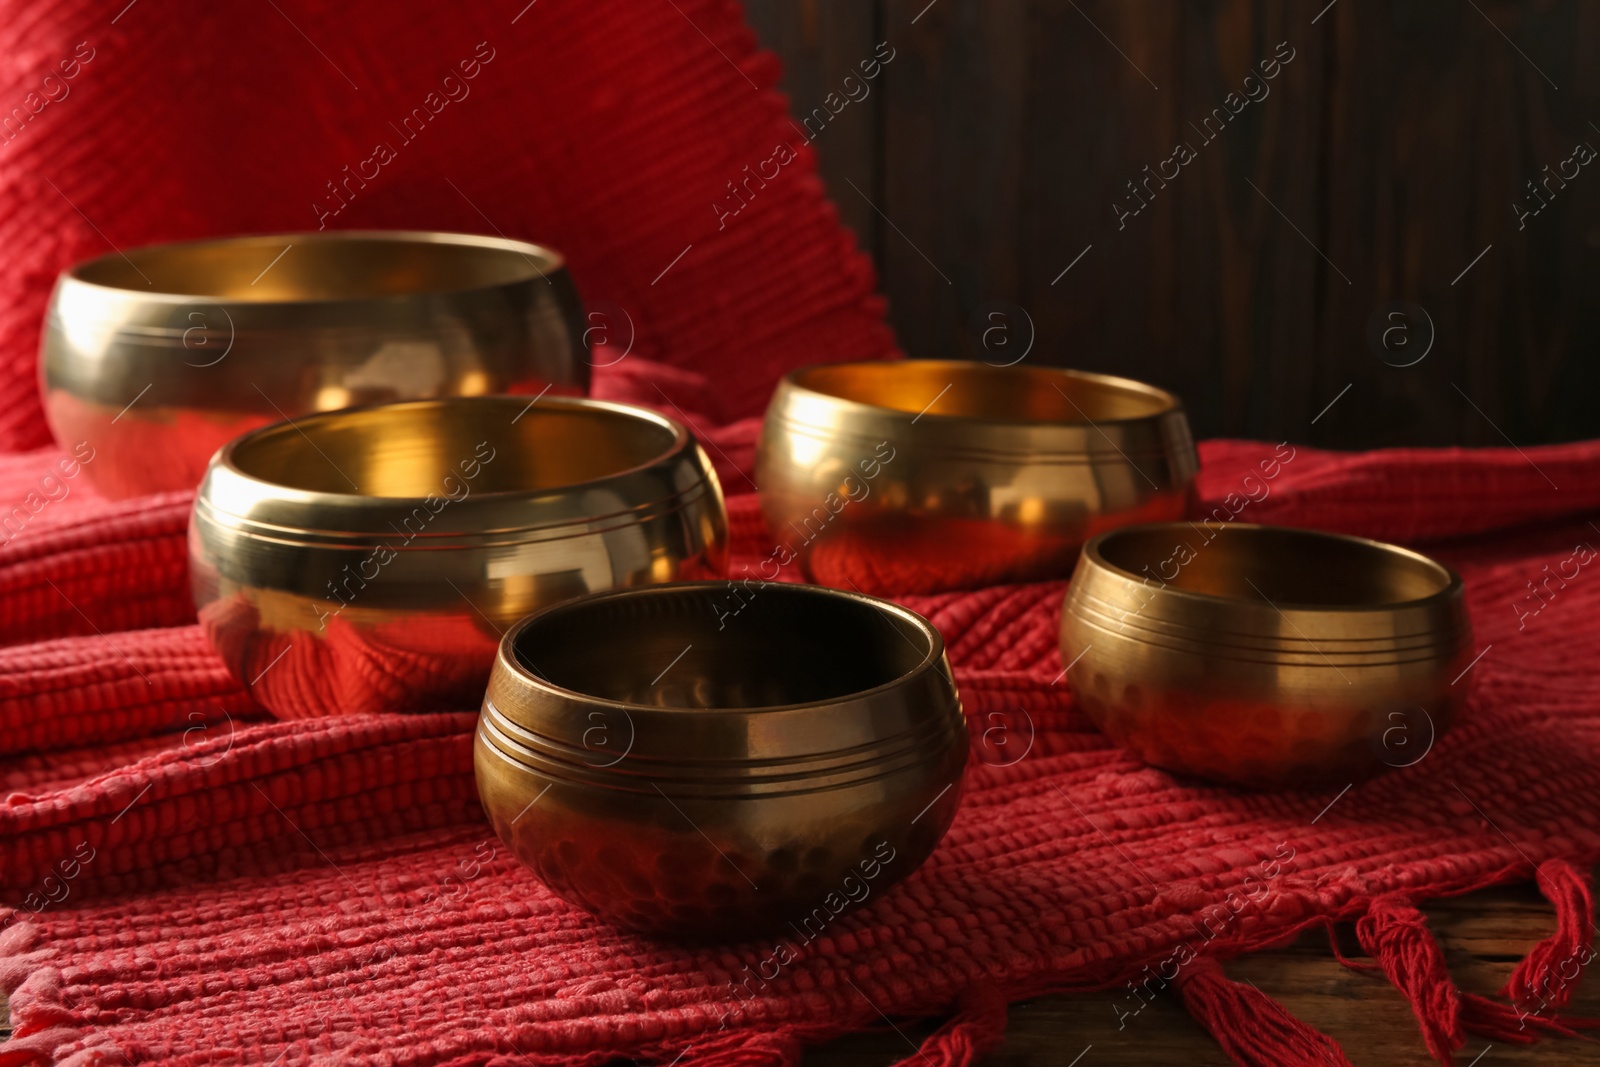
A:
{"points": [[157, 356], [683, 767], [1265, 656], [370, 559], [959, 475]]}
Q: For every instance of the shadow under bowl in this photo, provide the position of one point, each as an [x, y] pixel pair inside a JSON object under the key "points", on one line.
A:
{"points": [[1265, 656], [920, 476], [370, 559], [682, 763], [153, 360]]}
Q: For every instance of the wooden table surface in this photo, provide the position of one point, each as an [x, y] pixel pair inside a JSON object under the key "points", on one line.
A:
{"points": [[1484, 934]]}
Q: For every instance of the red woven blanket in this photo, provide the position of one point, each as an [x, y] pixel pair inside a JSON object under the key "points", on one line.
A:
{"points": [[609, 129], [187, 881], [198, 883]]}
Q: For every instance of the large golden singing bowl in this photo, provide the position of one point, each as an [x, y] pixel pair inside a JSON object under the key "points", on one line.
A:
{"points": [[924, 476], [159, 357], [369, 559], [687, 762], [1265, 656]]}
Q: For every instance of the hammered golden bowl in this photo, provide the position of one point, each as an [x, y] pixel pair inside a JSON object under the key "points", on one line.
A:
{"points": [[689, 762], [157, 358], [922, 476], [370, 559], [1265, 656]]}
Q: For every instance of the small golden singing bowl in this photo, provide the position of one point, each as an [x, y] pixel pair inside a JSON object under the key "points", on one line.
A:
{"points": [[159, 357], [692, 761], [922, 476], [1265, 656], [370, 559]]}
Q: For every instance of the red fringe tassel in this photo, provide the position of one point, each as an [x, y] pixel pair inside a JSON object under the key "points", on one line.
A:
{"points": [[1548, 975], [1396, 935], [978, 1026], [1252, 1028]]}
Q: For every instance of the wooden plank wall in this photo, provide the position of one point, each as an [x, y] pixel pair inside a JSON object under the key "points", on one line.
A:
{"points": [[1314, 234]]}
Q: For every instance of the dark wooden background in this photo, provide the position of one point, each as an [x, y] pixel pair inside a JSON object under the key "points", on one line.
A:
{"points": [[1387, 155]]}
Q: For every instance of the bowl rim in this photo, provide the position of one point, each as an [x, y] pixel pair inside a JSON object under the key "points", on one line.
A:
{"points": [[1170, 402], [553, 262], [224, 460], [1452, 589], [506, 658]]}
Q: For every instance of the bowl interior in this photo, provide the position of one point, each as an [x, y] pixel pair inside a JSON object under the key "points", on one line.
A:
{"points": [[695, 647], [345, 267], [976, 390], [410, 449], [1285, 566]]}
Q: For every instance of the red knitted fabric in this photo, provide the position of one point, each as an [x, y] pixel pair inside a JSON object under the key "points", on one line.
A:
{"points": [[609, 129], [190, 882], [234, 887]]}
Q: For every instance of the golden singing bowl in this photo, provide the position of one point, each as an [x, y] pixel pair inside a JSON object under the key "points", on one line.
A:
{"points": [[1265, 656], [370, 559], [157, 358], [689, 762], [922, 476]]}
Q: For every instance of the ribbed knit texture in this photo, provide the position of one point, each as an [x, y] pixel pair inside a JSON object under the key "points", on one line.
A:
{"points": [[608, 129], [329, 887], [190, 882]]}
